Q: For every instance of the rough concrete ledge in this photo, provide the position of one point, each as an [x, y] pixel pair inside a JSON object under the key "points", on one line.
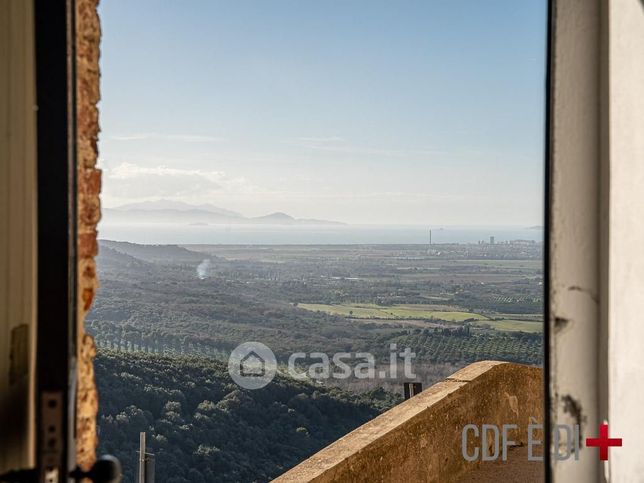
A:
{"points": [[420, 440]]}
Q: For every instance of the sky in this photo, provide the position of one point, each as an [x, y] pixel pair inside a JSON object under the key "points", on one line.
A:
{"points": [[362, 111]]}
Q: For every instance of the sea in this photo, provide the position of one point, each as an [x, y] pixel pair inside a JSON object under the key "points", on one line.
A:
{"points": [[165, 233]]}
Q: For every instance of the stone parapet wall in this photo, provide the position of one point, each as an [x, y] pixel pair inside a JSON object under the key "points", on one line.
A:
{"points": [[420, 439]]}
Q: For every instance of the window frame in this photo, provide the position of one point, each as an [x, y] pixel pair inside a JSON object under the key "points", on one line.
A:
{"points": [[573, 165], [56, 239]]}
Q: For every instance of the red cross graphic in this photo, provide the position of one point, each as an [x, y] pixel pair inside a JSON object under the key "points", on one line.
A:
{"points": [[603, 442]]}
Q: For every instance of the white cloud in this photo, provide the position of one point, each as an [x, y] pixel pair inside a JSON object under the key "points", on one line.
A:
{"points": [[185, 138], [131, 170], [328, 139], [191, 138], [135, 136], [336, 144], [130, 182]]}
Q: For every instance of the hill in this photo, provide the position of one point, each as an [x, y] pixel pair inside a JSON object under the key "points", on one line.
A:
{"points": [[109, 257], [177, 206], [280, 218], [148, 253], [166, 211], [202, 427]]}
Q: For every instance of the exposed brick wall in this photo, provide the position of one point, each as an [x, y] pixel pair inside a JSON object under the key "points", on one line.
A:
{"points": [[88, 32]]}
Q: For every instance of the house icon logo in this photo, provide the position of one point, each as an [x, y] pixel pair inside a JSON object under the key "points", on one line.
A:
{"points": [[252, 365]]}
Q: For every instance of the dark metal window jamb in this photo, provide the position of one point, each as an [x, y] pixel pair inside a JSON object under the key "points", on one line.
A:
{"points": [[56, 332]]}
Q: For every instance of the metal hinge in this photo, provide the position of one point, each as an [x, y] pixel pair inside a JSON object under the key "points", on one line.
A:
{"points": [[51, 428]]}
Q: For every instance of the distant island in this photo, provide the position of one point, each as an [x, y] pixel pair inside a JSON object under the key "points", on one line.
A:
{"points": [[167, 211]]}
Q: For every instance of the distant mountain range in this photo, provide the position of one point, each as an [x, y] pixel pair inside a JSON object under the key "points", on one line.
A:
{"points": [[176, 206], [167, 211]]}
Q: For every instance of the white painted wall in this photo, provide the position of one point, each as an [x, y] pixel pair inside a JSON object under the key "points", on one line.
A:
{"points": [[17, 234], [626, 238], [597, 270], [575, 228]]}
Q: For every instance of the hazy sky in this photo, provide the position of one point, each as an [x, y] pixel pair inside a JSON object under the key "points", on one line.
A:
{"points": [[363, 111]]}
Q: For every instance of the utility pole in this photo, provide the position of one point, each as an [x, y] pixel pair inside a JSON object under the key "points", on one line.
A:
{"points": [[146, 463], [141, 457], [410, 389]]}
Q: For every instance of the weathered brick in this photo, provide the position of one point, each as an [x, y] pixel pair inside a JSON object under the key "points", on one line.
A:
{"points": [[87, 244], [88, 33]]}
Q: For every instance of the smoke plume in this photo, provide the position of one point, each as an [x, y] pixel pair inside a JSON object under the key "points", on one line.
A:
{"points": [[203, 268]]}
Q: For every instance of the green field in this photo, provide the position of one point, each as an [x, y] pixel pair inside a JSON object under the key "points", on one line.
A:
{"points": [[510, 325], [423, 312], [394, 312]]}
